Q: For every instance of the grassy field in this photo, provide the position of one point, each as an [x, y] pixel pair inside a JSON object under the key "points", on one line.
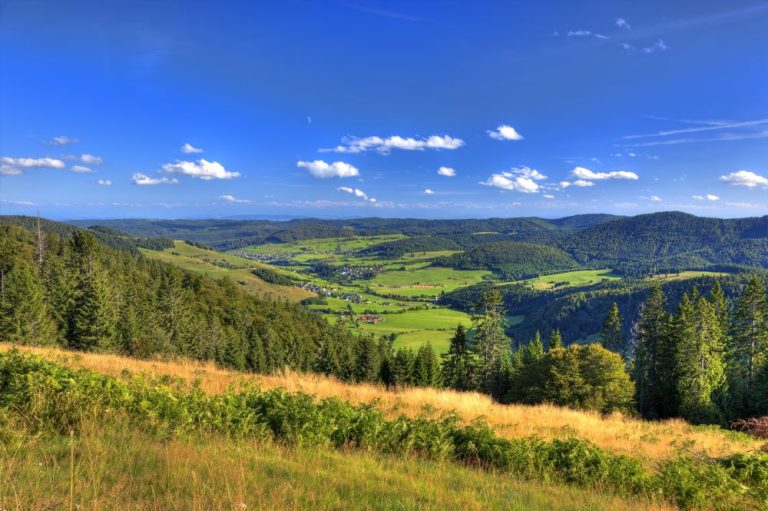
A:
{"points": [[219, 265], [571, 278], [319, 245], [684, 275], [649, 441], [425, 282], [113, 466]]}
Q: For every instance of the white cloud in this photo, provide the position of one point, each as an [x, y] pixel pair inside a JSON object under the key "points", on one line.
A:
{"points": [[579, 33], [357, 192], [584, 173], [622, 23], [710, 197], [93, 160], [321, 169], [143, 180], [446, 171], [231, 199], [61, 140], [581, 183], [745, 178], [188, 148], [202, 169], [9, 170], [428, 192], [521, 179], [548, 196], [505, 132], [385, 145], [654, 198], [659, 45], [564, 184], [80, 169], [104, 182], [50, 163]]}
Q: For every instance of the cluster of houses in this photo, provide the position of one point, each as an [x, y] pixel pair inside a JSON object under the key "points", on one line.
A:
{"points": [[330, 293], [369, 318]]}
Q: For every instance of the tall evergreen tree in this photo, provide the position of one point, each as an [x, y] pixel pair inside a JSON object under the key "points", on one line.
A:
{"points": [[651, 345], [401, 372], [426, 368], [24, 316], [491, 344], [555, 340], [748, 348], [699, 359], [611, 334], [458, 365]]}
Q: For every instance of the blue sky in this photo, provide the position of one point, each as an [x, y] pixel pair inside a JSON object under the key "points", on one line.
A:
{"points": [[352, 108]]}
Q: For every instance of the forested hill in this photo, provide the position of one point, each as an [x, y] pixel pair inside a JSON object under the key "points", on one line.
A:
{"points": [[229, 234], [671, 240], [79, 293], [511, 260]]}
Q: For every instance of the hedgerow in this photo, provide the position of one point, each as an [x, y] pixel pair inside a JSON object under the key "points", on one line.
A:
{"points": [[44, 395]]}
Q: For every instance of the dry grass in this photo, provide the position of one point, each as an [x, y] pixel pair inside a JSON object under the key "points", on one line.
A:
{"points": [[650, 441], [109, 466]]}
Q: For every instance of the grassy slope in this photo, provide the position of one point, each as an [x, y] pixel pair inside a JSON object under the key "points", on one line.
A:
{"points": [[205, 261], [109, 467], [650, 441]]}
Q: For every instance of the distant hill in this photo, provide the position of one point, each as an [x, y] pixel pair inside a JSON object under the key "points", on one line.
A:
{"points": [[671, 240], [511, 260]]}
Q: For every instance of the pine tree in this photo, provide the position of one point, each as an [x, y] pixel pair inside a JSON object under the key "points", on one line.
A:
{"points": [[611, 334], [748, 348], [651, 345], [458, 364], [490, 341], [426, 369], [555, 340], [699, 359], [367, 363], [24, 314], [402, 367]]}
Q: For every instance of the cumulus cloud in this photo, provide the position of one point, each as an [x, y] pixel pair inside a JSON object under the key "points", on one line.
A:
{"points": [[104, 182], [564, 184], [520, 179], [91, 159], [622, 23], [654, 198], [144, 180], [446, 171], [321, 169], [710, 197], [586, 174], [357, 192], [385, 145], [202, 169], [188, 148], [81, 169], [427, 191], [581, 183], [61, 140], [505, 132], [9, 170], [50, 163], [233, 200], [745, 178]]}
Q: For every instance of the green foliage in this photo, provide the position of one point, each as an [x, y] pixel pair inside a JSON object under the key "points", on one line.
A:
{"points": [[459, 365], [45, 396], [612, 333], [511, 260]]}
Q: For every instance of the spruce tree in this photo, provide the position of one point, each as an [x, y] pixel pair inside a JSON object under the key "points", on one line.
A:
{"points": [[491, 344], [24, 316], [651, 344], [611, 334], [555, 340], [748, 348], [426, 369], [458, 364], [402, 367], [699, 359]]}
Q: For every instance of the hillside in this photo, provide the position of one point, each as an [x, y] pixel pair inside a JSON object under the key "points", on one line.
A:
{"points": [[104, 428], [511, 260], [671, 240], [251, 275]]}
